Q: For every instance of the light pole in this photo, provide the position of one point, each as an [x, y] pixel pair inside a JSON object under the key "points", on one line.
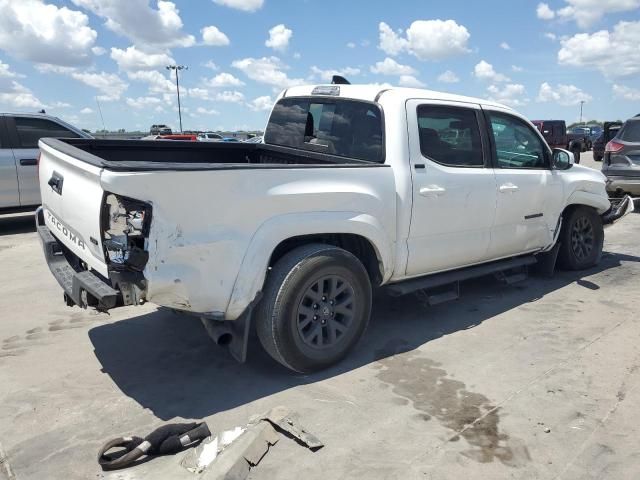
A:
{"points": [[176, 68], [581, 104]]}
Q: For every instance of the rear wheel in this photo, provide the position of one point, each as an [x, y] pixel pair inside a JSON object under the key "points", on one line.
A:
{"points": [[316, 306], [581, 239]]}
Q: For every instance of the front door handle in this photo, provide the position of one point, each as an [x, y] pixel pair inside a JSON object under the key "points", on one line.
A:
{"points": [[508, 188], [28, 161], [432, 191]]}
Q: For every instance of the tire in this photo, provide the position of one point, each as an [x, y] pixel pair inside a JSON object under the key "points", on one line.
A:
{"points": [[581, 239], [576, 155], [298, 325]]}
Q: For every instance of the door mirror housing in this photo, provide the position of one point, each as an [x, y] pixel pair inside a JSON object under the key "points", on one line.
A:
{"points": [[562, 159]]}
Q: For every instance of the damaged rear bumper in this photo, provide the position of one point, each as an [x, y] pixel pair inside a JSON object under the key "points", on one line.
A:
{"points": [[83, 287]]}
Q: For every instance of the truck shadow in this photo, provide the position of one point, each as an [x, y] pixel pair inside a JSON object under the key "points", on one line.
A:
{"points": [[12, 224], [166, 362]]}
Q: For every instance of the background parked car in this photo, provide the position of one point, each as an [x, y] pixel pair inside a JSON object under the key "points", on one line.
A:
{"points": [[19, 136], [621, 162], [553, 131], [160, 130], [209, 137], [610, 130]]}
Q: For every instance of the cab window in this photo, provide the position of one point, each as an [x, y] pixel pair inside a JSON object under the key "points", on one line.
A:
{"points": [[450, 136], [31, 130], [516, 144]]}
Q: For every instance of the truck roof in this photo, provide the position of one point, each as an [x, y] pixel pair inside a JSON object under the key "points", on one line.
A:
{"points": [[372, 93]]}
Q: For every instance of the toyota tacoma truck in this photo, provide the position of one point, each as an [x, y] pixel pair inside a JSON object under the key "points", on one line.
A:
{"points": [[353, 188]]}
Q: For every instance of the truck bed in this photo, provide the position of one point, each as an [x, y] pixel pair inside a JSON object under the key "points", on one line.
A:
{"points": [[145, 155]]}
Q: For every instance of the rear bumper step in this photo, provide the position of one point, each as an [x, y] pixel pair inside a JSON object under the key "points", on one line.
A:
{"points": [[82, 288]]}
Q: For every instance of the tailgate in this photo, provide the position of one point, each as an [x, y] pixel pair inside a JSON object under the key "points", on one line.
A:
{"points": [[72, 200]]}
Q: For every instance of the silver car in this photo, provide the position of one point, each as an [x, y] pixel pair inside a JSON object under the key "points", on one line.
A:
{"points": [[19, 136], [621, 162]]}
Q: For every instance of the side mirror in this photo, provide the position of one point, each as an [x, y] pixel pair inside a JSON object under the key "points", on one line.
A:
{"points": [[562, 159]]}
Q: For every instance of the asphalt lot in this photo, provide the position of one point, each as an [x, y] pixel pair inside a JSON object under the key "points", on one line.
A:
{"points": [[536, 380]]}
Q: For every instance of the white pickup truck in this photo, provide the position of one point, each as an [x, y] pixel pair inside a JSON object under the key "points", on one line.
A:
{"points": [[353, 188]]}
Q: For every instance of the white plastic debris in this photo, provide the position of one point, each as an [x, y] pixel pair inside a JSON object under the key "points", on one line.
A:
{"points": [[209, 451]]}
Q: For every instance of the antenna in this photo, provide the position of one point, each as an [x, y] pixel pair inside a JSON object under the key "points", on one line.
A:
{"points": [[101, 117]]}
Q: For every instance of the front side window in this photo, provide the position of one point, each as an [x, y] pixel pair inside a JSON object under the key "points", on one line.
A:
{"points": [[30, 130], [346, 128], [516, 143], [450, 135]]}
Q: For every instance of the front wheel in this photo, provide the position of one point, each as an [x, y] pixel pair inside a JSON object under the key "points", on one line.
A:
{"points": [[316, 306], [581, 239]]}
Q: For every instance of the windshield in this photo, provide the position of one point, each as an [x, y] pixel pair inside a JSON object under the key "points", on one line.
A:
{"points": [[346, 128]]}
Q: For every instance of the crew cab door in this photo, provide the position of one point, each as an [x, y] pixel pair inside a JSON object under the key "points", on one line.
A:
{"points": [[454, 188], [25, 132], [529, 192], [9, 193]]}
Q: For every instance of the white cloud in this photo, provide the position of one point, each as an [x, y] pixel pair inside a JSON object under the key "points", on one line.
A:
{"points": [[199, 93], [327, 75], [391, 42], [516, 68], [279, 37], [97, 51], [410, 81], [261, 103], [14, 95], [626, 93], [544, 12], [143, 102], [565, 95], [140, 22], [351, 45], [512, 94], [245, 5], [155, 80], [211, 35], [448, 77], [426, 39], [231, 97], [484, 71], [268, 70], [390, 67], [86, 111], [210, 65], [59, 104], [204, 111], [550, 36], [109, 84], [614, 53], [133, 59], [505, 46], [224, 80], [587, 12], [43, 33], [5, 71]]}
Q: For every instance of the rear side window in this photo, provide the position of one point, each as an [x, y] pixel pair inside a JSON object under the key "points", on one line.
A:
{"points": [[450, 136], [630, 132], [338, 127], [30, 130]]}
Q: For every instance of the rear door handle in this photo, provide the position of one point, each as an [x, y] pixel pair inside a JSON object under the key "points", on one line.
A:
{"points": [[28, 161], [508, 188], [432, 191]]}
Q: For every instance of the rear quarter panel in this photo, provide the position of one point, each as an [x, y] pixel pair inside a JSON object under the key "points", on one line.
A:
{"points": [[207, 226]]}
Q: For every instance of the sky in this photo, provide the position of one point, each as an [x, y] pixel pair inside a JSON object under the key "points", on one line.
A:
{"points": [[77, 58]]}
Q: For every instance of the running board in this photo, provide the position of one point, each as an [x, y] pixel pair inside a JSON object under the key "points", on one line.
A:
{"points": [[439, 279]]}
